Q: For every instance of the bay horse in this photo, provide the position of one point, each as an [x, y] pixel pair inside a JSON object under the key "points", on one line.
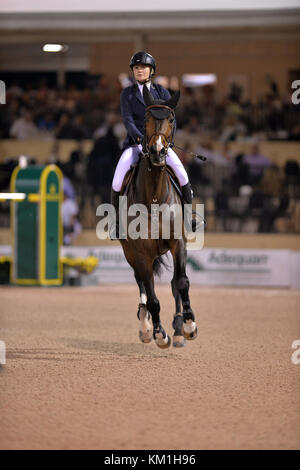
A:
{"points": [[152, 185]]}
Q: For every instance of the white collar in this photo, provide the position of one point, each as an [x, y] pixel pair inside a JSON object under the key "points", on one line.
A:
{"points": [[142, 86]]}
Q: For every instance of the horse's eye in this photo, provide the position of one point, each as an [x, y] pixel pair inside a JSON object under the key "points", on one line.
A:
{"points": [[171, 120]]}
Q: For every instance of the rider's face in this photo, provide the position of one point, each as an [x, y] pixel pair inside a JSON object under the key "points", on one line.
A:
{"points": [[141, 72]]}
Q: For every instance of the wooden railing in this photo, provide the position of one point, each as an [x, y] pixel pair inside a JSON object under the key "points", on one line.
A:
{"points": [[41, 150]]}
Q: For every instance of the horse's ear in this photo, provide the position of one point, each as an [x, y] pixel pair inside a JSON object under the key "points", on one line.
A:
{"points": [[148, 98], [172, 102]]}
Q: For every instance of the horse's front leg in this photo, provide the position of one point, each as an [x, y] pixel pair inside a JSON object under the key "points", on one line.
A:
{"points": [[162, 340], [178, 338], [182, 283], [145, 328]]}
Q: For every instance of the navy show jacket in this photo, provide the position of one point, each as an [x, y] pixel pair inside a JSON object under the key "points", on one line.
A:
{"points": [[133, 110]]}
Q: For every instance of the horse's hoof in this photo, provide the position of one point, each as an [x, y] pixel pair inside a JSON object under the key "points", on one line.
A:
{"points": [[163, 343], [191, 336], [178, 341], [190, 330], [145, 336], [146, 330]]}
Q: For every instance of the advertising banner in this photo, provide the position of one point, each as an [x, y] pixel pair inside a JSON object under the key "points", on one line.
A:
{"points": [[209, 266], [206, 267]]}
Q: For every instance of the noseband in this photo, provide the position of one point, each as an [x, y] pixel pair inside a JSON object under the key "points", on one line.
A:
{"points": [[159, 112]]}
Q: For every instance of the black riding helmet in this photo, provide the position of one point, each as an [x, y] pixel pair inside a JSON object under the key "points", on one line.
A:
{"points": [[143, 58]]}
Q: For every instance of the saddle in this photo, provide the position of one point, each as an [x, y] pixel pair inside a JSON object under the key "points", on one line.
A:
{"points": [[131, 175], [130, 178]]}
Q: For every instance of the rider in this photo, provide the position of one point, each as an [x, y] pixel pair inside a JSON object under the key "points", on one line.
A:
{"points": [[133, 108]]}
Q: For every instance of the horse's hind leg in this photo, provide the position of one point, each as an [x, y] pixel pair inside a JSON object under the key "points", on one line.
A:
{"points": [[145, 328], [183, 285]]}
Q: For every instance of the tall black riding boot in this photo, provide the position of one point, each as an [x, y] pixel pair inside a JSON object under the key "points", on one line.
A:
{"points": [[187, 195], [114, 228]]}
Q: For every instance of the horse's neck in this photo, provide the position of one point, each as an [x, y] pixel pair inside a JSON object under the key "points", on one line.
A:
{"points": [[151, 185]]}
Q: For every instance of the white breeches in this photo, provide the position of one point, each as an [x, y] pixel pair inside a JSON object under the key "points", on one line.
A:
{"points": [[131, 155]]}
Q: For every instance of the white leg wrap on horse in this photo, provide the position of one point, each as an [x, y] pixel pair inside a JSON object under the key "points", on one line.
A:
{"points": [[145, 330], [159, 338], [143, 299], [175, 163], [128, 158], [189, 326], [145, 324]]}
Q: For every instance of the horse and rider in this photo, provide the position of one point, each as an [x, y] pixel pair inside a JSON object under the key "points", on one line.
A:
{"points": [[148, 114], [133, 108]]}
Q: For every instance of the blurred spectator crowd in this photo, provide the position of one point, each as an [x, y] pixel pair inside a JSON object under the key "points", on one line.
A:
{"points": [[245, 192], [73, 113], [47, 113]]}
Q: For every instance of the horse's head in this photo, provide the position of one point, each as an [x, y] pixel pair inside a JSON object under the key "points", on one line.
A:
{"points": [[159, 125]]}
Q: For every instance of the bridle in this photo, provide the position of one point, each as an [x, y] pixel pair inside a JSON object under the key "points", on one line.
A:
{"points": [[166, 140]]}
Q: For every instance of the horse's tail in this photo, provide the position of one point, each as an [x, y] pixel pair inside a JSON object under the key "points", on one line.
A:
{"points": [[158, 265]]}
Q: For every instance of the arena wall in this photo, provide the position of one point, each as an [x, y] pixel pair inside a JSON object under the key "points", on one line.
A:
{"points": [[212, 240], [226, 56], [278, 152]]}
